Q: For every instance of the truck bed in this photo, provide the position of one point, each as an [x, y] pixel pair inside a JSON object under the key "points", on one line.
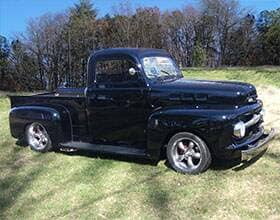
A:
{"points": [[72, 99]]}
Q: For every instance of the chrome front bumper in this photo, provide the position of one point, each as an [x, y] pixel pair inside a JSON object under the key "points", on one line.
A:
{"points": [[259, 146]]}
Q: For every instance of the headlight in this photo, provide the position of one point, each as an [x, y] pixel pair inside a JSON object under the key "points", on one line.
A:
{"points": [[239, 129]]}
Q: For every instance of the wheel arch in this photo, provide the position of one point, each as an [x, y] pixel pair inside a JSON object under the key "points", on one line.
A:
{"points": [[57, 121], [188, 130]]}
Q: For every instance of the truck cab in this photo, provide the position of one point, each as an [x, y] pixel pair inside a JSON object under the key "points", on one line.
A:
{"points": [[137, 103]]}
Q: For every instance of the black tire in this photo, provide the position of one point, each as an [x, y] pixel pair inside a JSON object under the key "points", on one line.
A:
{"points": [[38, 138], [188, 154]]}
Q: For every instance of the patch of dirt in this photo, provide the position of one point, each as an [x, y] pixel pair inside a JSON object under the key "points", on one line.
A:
{"points": [[271, 100], [271, 103]]}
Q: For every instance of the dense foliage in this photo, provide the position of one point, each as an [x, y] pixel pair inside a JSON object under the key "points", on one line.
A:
{"points": [[55, 47]]}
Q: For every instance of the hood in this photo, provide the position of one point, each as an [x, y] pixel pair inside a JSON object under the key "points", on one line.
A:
{"points": [[197, 92]]}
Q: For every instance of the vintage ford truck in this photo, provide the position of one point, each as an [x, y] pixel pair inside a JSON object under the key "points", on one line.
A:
{"points": [[137, 103]]}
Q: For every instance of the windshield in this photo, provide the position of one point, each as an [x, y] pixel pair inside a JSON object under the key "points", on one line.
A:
{"points": [[160, 68]]}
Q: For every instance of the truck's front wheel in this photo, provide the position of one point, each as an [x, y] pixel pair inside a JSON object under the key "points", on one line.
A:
{"points": [[37, 137], [187, 153]]}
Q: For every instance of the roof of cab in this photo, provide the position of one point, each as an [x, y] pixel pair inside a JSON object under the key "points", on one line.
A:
{"points": [[135, 52]]}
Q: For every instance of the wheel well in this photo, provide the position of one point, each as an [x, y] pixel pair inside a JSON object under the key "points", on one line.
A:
{"points": [[24, 130], [172, 133]]}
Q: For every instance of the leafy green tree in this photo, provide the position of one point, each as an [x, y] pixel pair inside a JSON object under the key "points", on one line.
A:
{"points": [[4, 54], [199, 56], [268, 37], [272, 44], [81, 40]]}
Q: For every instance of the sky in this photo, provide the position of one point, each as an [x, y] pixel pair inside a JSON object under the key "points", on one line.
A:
{"points": [[14, 14]]}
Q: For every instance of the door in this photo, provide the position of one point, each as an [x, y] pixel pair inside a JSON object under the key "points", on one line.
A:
{"points": [[116, 104]]}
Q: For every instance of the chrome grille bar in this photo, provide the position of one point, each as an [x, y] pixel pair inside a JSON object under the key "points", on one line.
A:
{"points": [[253, 121]]}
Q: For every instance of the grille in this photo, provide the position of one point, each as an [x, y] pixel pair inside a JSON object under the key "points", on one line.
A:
{"points": [[252, 122]]}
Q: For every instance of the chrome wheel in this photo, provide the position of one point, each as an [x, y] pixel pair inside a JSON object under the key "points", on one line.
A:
{"points": [[186, 154], [38, 137]]}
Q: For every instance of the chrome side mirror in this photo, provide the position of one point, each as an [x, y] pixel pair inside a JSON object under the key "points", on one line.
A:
{"points": [[64, 85]]}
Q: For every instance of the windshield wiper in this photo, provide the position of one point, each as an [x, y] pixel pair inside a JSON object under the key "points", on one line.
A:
{"points": [[167, 73], [163, 78]]}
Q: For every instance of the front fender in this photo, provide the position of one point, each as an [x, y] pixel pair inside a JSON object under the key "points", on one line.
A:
{"points": [[57, 121], [164, 123]]}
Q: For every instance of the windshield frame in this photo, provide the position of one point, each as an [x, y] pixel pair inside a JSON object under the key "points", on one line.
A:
{"points": [[178, 75]]}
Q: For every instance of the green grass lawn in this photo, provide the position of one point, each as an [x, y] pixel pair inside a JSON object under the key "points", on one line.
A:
{"points": [[85, 185], [256, 75]]}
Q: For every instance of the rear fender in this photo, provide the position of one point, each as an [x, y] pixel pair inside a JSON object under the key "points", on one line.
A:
{"points": [[57, 121]]}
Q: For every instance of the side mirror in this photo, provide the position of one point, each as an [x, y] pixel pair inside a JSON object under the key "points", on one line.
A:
{"points": [[64, 85], [132, 71]]}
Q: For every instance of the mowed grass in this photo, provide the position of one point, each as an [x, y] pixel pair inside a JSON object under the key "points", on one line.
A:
{"points": [[91, 186], [263, 75]]}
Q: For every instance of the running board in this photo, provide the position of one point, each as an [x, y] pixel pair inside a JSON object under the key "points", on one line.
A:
{"points": [[129, 151]]}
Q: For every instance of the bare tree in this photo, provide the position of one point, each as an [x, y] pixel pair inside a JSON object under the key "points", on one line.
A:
{"points": [[218, 18], [56, 46], [180, 34]]}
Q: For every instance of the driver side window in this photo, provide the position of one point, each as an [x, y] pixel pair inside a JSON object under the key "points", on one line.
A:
{"points": [[115, 72]]}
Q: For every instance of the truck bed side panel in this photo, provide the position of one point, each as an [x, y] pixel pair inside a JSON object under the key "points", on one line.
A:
{"points": [[75, 107]]}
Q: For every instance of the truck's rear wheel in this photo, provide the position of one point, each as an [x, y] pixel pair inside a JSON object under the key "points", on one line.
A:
{"points": [[37, 137], [187, 153]]}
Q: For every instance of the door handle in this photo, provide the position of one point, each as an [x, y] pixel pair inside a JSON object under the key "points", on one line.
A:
{"points": [[104, 97]]}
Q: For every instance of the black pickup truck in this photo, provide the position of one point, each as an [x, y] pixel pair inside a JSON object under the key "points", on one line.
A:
{"points": [[137, 103]]}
